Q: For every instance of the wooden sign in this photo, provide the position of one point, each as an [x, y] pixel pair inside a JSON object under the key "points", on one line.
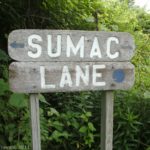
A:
{"points": [[63, 61], [66, 45], [30, 77]]}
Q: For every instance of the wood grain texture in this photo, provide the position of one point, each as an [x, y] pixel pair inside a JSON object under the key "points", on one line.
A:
{"points": [[25, 77], [35, 122], [18, 46], [107, 106]]}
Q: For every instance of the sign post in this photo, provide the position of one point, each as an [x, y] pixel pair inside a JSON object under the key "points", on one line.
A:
{"points": [[63, 61], [35, 121], [107, 104]]}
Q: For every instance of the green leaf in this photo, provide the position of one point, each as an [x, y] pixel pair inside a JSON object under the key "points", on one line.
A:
{"points": [[3, 56], [148, 148], [57, 135], [3, 87], [90, 19], [147, 95], [88, 114], [18, 100], [58, 125], [75, 124], [42, 99], [91, 127], [84, 117], [52, 112], [83, 129]]}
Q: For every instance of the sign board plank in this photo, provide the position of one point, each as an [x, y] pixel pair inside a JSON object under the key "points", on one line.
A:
{"points": [[66, 45], [30, 77]]}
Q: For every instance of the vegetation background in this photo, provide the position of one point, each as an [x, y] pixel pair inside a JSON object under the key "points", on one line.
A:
{"points": [[72, 121]]}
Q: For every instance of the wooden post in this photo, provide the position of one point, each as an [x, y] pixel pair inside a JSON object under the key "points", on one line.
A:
{"points": [[35, 122], [107, 121]]}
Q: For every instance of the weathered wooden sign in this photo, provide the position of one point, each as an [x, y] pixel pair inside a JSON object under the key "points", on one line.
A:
{"points": [[30, 77], [66, 45], [63, 60]]}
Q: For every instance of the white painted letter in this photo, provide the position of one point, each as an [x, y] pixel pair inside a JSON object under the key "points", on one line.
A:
{"points": [[43, 83], [116, 54], [98, 75], [80, 46], [66, 77], [95, 51], [80, 74], [37, 46], [50, 51]]}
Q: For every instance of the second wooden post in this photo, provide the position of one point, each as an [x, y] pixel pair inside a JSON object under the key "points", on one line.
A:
{"points": [[107, 105]]}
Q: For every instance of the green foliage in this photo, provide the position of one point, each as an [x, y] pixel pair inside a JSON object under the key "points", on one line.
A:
{"points": [[18, 100], [127, 127], [72, 14], [66, 128], [72, 120], [4, 87], [3, 56], [132, 117]]}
